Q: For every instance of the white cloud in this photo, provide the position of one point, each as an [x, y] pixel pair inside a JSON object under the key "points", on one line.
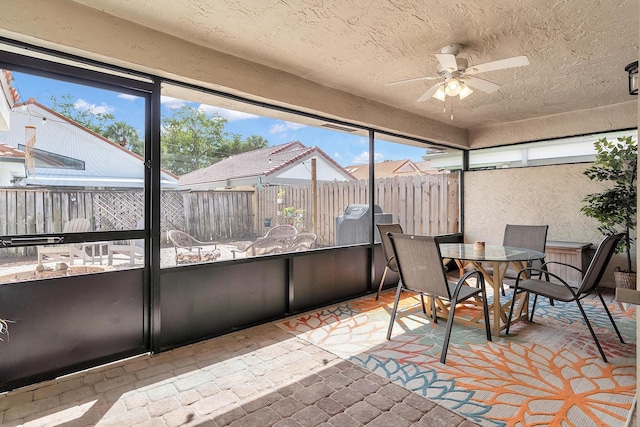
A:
{"points": [[171, 103], [227, 114], [127, 97], [83, 105], [363, 158], [285, 126], [336, 155]]}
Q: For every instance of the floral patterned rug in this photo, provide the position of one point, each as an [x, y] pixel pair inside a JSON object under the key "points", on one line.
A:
{"points": [[545, 373]]}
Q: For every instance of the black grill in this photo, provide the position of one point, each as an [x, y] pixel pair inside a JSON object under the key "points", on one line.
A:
{"points": [[353, 226]]}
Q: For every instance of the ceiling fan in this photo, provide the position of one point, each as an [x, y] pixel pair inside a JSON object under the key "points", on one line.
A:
{"points": [[458, 78]]}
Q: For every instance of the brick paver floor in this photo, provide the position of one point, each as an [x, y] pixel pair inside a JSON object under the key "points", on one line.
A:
{"points": [[262, 376]]}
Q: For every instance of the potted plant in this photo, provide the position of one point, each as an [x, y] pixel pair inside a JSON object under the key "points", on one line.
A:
{"points": [[267, 222], [615, 208], [280, 197]]}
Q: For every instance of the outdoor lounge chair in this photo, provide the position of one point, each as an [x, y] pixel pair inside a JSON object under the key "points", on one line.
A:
{"points": [[189, 249], [280, 230], [66, 252], [134, 249], [300, 242], [277, 240], [422, 271], [262, 246], [566, 293], [283, 241]]}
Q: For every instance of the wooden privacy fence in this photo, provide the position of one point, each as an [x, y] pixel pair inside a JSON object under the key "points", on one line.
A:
{"points": [[205, 215], [425, 204], [422, 204]]}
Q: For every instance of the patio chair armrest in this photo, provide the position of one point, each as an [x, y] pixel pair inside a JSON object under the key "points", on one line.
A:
{"points": [[462, 280], [466, 275], [201, 244], [543, 270], [391, 258], [561, 263], [571, 289]]}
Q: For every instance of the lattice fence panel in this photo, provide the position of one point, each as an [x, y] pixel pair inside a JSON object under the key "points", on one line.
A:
{"points": [[118, 210]]}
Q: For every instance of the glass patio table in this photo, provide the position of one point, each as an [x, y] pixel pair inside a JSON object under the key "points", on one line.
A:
{"points": [[500, 257]]}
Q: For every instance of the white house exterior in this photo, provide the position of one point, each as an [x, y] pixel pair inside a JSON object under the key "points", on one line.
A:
{"points": [[59, 152], [12, 166], [286, 164]]}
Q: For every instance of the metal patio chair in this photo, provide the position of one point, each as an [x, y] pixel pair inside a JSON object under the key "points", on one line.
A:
{"points": [[422, 271], [532, 237], [190, 249], [387, 249], [564, 292], [279, 230], [301, 242]]}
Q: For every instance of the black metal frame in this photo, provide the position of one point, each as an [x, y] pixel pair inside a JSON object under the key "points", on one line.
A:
{"points": [[167, 316]]}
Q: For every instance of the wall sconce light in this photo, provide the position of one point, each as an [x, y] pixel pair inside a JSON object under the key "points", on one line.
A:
{"points": [[632, 69]]}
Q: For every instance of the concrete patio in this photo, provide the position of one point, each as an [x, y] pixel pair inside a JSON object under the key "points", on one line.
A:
{"points": [[262, 376]]}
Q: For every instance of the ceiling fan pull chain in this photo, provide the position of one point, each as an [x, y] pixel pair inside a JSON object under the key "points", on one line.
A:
{"points": [[451, 107]]}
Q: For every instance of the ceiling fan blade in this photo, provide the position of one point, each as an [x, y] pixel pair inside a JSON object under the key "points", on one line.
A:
{"points": [[415, 79], [428, 94], [448, 61], [481, 84], [516, 61]]}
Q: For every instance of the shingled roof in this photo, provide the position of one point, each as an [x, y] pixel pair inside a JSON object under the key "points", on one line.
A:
{"points": [[257, 163], [385, 169], [7, 151]]}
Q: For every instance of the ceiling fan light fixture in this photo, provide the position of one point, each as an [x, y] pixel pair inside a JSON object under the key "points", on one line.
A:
{"points": [[465, 91], [453, 87], [440, 93]]}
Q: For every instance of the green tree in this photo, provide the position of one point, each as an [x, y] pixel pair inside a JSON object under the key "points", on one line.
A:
{"points": [[126, 135], [104, 124], [193, 140]]}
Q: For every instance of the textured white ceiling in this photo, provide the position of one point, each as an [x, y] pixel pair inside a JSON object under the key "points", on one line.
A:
{"points": [[577, 48]]}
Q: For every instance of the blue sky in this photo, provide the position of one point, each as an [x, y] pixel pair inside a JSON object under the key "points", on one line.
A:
{"points": [[344, 148]]}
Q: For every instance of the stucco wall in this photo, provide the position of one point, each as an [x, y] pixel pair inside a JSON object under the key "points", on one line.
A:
{"points": [[539, 195]]}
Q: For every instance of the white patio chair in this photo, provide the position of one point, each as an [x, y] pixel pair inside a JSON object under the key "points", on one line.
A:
{"points": [[66, 252]]}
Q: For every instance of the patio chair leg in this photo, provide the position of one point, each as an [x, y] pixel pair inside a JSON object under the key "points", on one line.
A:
{"points": [[395, 309], [593, 334], [384, 274], [533, 307], [485, 309], [424, 308], [610, 317], [513, 303], [447, 334], [434, 314]]}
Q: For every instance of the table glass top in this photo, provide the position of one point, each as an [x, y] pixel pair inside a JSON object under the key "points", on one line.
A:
{"points": [[492, 253]]}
